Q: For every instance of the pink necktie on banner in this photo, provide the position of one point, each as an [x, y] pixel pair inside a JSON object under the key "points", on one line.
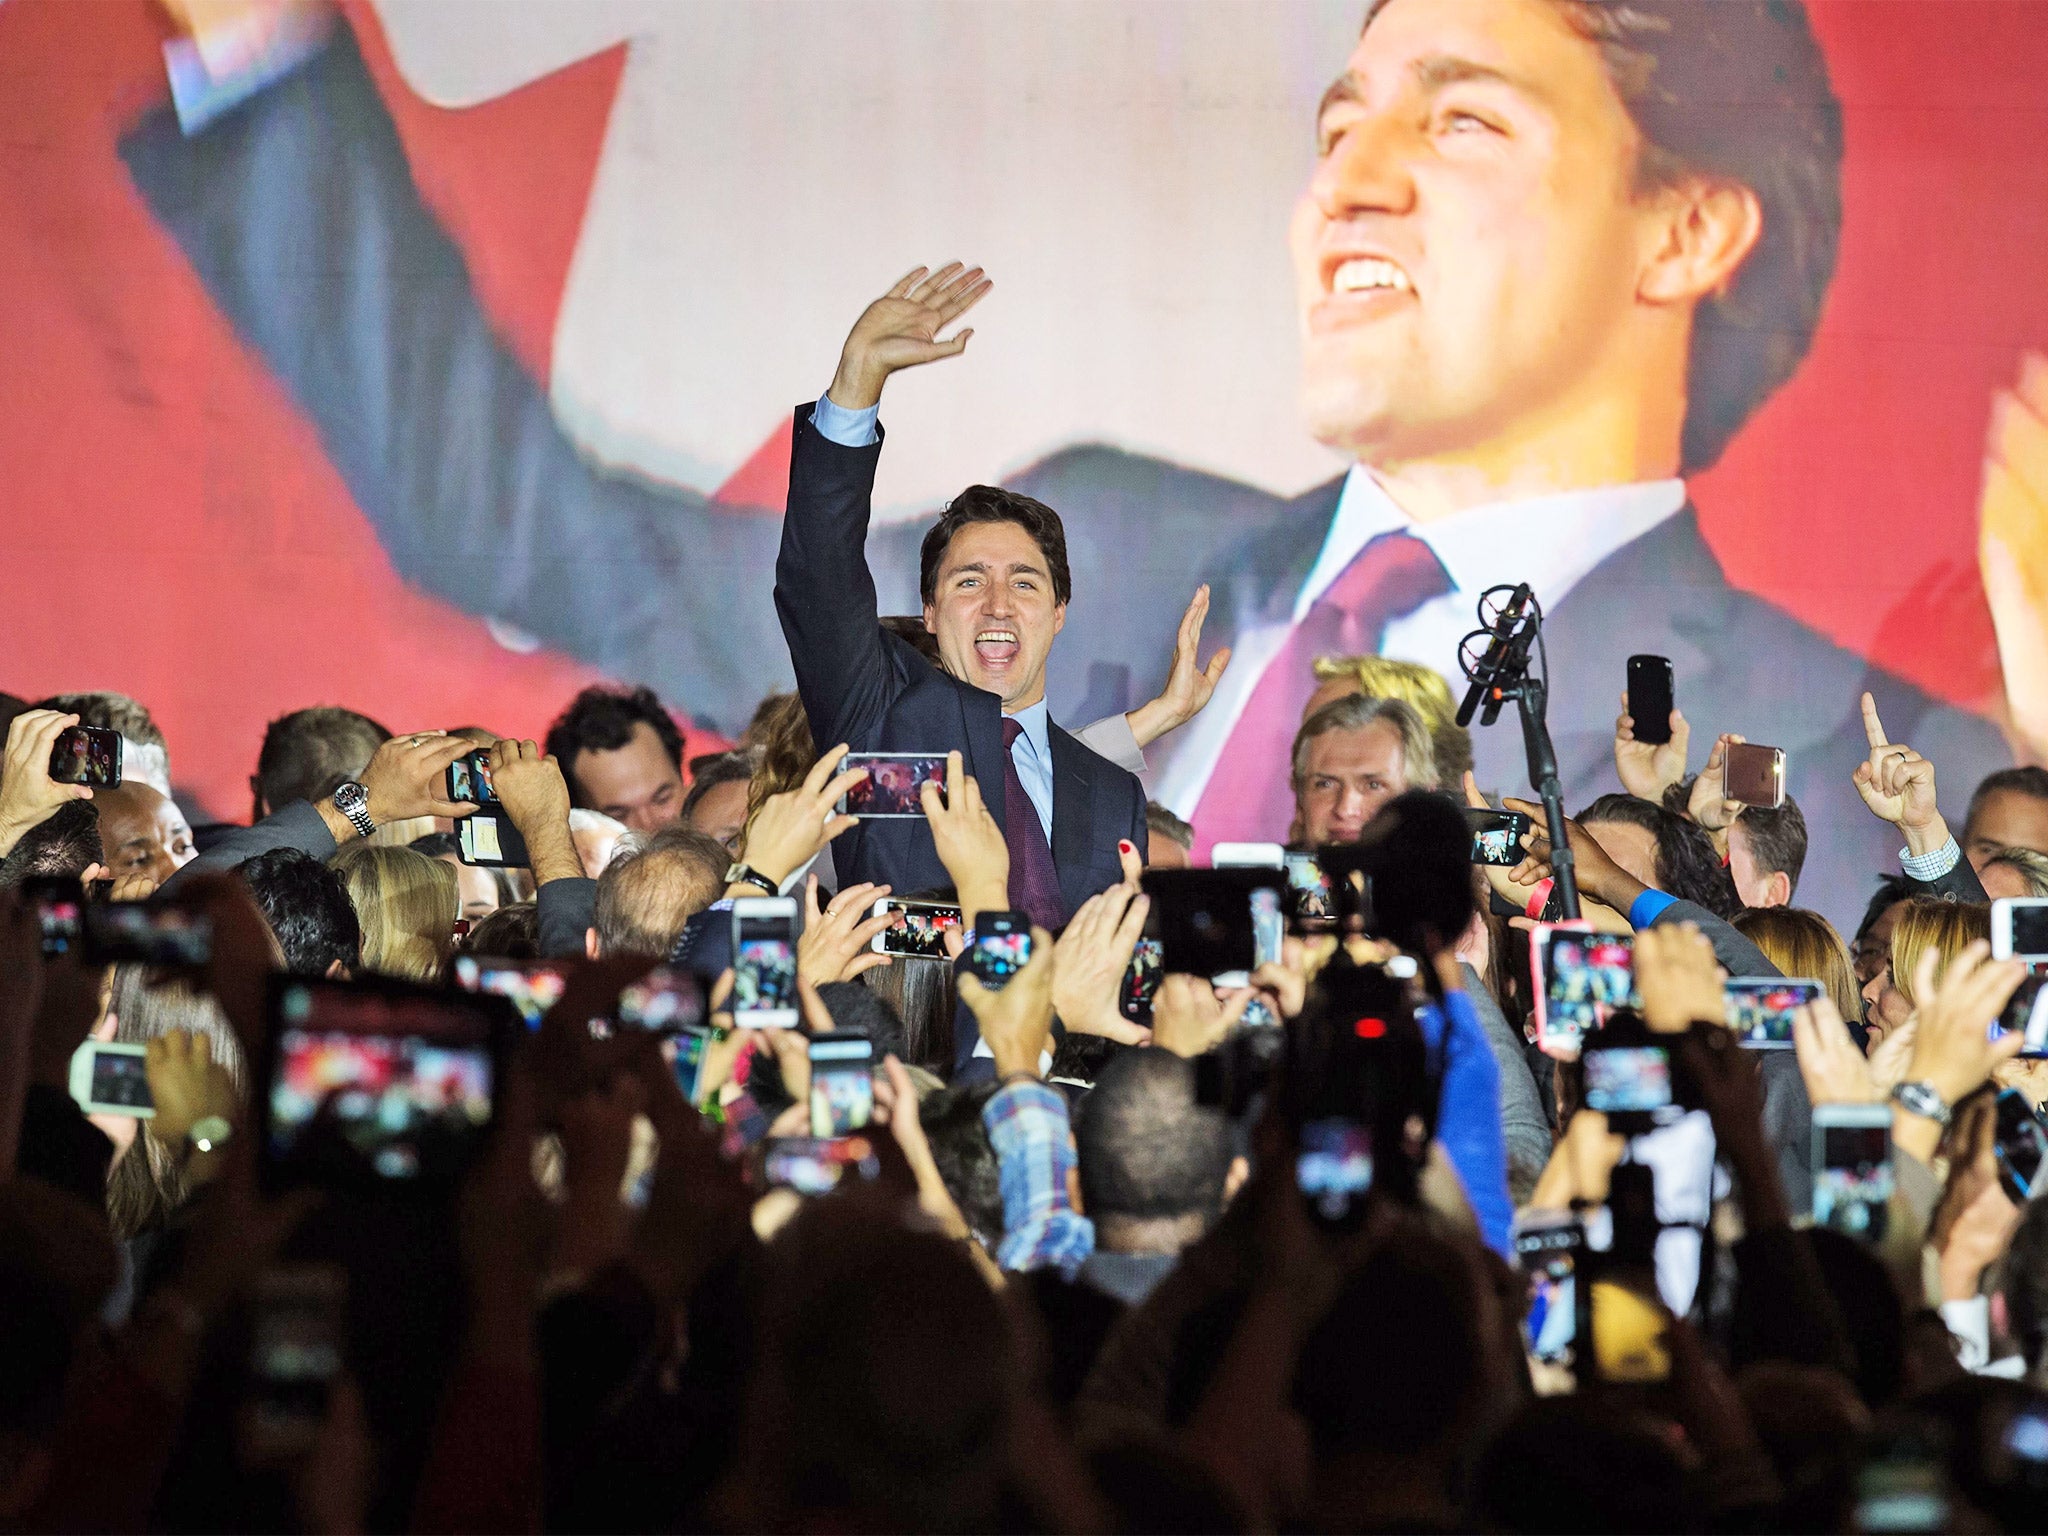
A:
{"points": [[1250, 796]]}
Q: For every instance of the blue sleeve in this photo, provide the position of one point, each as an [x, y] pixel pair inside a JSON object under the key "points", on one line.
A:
{"points": [[849, 429], [1648, 907], [1469, 1115]]}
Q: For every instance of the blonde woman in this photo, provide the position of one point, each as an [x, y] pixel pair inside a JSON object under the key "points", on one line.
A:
{"points": [[1803, 943], [407, 904], [1947, 927]]}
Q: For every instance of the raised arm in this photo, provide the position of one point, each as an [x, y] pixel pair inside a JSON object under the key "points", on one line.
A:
{"points": [[1897, 784], [824, 591]]}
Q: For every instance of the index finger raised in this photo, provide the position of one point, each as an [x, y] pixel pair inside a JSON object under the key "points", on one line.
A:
{"points": [[1872, 726]]}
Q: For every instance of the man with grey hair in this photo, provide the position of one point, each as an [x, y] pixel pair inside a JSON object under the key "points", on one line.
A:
{"points": [[1350, 758], [644, 898], [144, 753]]}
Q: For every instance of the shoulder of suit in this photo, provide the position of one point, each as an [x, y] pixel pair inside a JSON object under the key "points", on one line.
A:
{"points": [[1108, 481]]}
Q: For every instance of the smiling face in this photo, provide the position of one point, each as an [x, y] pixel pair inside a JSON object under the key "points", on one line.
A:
{"points": [[1468, 251], [993, 611]]}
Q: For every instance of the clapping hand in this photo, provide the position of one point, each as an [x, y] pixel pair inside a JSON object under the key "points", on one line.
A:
{"points": [[901, 328]]}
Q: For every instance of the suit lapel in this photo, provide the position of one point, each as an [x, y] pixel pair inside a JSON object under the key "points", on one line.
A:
{"points": [[981, 718], [1073, 815]]}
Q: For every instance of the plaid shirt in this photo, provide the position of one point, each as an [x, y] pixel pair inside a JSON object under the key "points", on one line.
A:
{"points": [[1027, 1123]]}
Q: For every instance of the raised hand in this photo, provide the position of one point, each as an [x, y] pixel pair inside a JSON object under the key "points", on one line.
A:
{"points": [[406, 777], [1016, 1020], [1190, 1020], [836, 936], [1836, 1072], [1679, 978], [1189, 686], [1897, 784], [1646, 770], [529, 784], [28, 795], [1093, 954], [1955, 1051], [1708, 805], [901, 328], [788, 830], [2012, 546], [969, 842]]}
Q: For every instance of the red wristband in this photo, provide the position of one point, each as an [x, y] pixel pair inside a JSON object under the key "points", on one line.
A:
{"points": [[1539, 898]]}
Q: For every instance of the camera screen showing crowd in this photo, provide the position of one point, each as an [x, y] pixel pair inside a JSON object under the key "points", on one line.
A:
{"points": [[1260, 1106]]}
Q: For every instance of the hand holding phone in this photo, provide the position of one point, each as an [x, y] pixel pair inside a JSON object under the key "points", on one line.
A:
{"points": [[88, 755], [1001, 948], [1581, 978], [469, 779], [112, 1078], [1497, 836], [1753, 775], [1650, 699]]}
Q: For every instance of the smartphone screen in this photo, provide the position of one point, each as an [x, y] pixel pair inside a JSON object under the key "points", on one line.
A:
{"points": [[813, 1165], [842, 1084], [1001, 947], [893, 784], [86, 754], [109, 1078], [1760, 1008], [1333, 1169], [1497, 836], [1141, 980], [2020, 1144], [1269, 926], [1628, 1323], [2019, 928], [662, 1001], [146, 933], [59, 904], [1852, 1169], [1583, 978], [1213, 922], [1549, 1257], [685, 1050], [1628, 1079], [764, 963], [917, 929], [532, 986], [469, 779], [296, 1340], [1649, 698], [1311, 907], [375, 1082]]}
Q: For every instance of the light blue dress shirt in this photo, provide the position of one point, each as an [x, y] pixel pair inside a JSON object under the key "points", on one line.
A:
{"points": [[1033, 753]]}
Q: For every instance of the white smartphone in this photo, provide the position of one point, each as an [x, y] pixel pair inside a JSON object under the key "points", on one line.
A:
{"points": [[764, 962], [2019, 928], [109, 1079], [918, 928], [1247, 856]]}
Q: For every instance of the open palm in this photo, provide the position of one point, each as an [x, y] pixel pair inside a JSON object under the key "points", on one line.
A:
{"points": [[901, 330]]}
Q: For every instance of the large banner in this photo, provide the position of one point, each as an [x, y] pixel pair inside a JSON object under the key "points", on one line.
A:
{"points": [[455, 368]]}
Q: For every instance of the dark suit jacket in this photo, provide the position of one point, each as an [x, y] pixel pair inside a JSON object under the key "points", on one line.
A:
{"points": [[863, 686]]}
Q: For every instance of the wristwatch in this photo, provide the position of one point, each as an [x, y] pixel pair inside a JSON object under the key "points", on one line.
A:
{"points": [[743, 872], [353, 801], [1921, 1099], [209, 1132]]}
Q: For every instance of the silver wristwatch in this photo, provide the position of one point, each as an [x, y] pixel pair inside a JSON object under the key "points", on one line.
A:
{"points": [[1922, 1100], [353, 801]]}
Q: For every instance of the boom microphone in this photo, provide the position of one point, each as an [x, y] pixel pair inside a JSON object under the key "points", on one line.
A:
{"points": [[1507, 642]]}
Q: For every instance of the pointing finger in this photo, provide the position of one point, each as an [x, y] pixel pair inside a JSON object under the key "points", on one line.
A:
{"points": [[1872, 726]]}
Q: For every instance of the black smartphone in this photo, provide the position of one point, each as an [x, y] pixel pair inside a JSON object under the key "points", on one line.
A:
{"points": [[469, 779], [1630, 1081], [376, 1083], [894, 783], [58, 902], [1214, 922], [146, 933], [2021, 1142], [1497, 836], [490, 841], [842, 1083], [1001, 947], [1311, 905], [86, 754], [1356, 1080], [1650, 698]]}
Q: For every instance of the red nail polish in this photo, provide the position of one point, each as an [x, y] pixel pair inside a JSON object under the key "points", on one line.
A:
{"points": [[1123, 845]]}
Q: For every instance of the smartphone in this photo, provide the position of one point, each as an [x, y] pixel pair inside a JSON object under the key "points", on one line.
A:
{"points": [[469, 779], [1852, 1169], [2019, 929], [1630, 1082], [1581, 978], [1333, 1169], [1550, 1252], [58, 902], [1497, 836], [662, 1001], [1207, 921], [297, 1339], [86, 754], [1902, 1484], [893, 783], [490, 841], [1754, 776], [107, 1078], [1760, 1008], [1357, 1079], [2020, 1143], [842, 1083], [1650, 698], [376, 1083], [685, 1050], [764, 962], [813, 1165], [1627, 1319], [1310, 906], [917, 929], [532, 986], [1001, 947], [1247, 856], [2028, 1012], [1141, 980], [1235, 1073], [146, 933]]}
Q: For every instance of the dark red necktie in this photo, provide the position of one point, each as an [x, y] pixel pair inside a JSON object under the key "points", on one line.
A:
{"points": [[1034, 883], [1250, 794]]}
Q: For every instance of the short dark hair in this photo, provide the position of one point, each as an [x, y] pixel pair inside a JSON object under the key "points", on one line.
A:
{"points": [[1687, 865], [66, 842], [1891, 890], [1169, 826], [309, 753], [713, 769], [308, 908], [1147, 1150], [510, 933], [2028, 780], [993, 504], [645, 898], [965, 1157], [1777, 839], [854, 1008], [601, 719], [1737, 90]]}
